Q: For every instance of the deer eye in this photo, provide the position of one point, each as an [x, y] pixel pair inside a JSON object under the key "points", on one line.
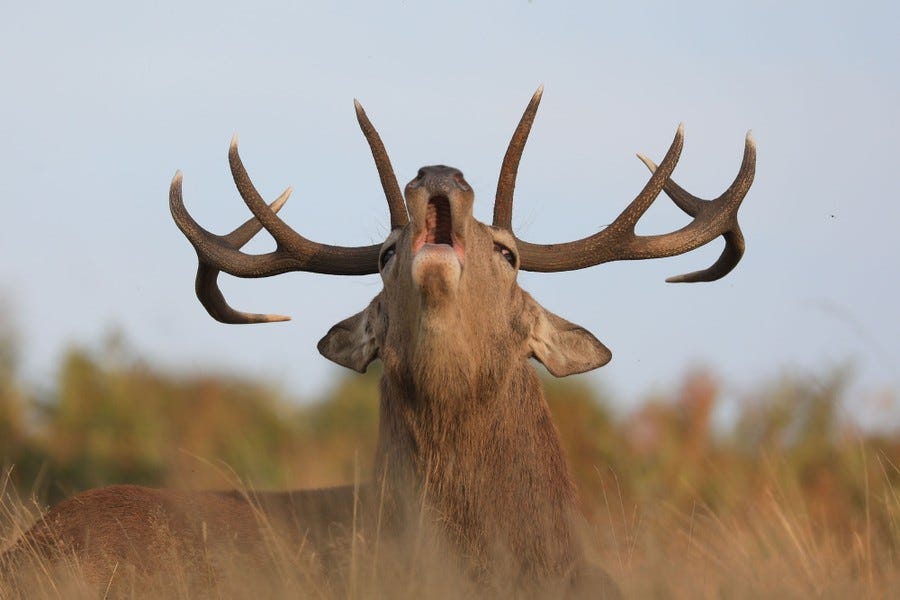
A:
{"points": [[386, 256], [506, 253]]}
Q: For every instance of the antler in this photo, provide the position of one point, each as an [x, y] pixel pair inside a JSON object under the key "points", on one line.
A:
{"points": [[293, 252], [396, 204], [506, 184], [711, 218]]}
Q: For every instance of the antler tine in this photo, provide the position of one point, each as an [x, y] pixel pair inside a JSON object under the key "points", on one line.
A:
{"points": [[206, 286], [692, 205], [251, 227], [506, 184], [728, 260], [396, 204]]}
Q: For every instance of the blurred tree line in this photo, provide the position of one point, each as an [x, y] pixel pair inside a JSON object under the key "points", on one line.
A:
{"points": [[112, 418]]}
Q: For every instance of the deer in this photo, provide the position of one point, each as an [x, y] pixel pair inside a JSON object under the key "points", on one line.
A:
{"points": [[467, 446]]}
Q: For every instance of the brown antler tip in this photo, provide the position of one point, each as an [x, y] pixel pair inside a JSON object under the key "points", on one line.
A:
{"points": [[678, 279], [361, 116]]}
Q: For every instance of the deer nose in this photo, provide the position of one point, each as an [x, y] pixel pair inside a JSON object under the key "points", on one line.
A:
{"points": [[440, 179]]}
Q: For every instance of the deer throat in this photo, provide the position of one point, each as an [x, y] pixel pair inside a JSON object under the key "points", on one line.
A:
{"points": [[528, 507]]}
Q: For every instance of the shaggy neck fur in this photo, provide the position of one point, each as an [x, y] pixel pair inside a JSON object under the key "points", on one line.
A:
{"points": [[473, 445]]}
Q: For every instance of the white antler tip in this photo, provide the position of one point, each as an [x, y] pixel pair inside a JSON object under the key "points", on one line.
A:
{"points": [[649, 163], [357, 106], [280, 200], [234, 142], [750, 140], [681, 128], [539, 92], [178, 177]]}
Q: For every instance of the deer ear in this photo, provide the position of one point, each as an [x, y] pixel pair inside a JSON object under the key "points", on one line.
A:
{"points": [[564, 347], [352, 343]]}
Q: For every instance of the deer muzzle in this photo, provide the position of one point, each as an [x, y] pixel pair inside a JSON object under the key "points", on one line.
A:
{"points": [[440, 202]]}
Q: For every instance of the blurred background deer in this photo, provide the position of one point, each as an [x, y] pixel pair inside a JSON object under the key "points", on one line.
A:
{"points": [[468, 457]]}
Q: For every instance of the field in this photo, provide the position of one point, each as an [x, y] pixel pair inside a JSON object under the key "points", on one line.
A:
{"points": [[785, 500]]}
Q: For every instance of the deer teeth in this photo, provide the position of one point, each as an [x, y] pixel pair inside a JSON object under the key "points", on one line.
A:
{"points": [[438, 221]]}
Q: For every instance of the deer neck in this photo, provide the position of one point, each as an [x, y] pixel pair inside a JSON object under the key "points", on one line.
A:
{"points": [[475, 445]]}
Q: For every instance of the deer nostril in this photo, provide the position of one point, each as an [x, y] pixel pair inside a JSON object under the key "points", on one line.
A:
{"points": [[417, 182]]}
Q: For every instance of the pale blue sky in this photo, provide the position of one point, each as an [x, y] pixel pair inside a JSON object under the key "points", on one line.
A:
{"points": [[102, 102]]}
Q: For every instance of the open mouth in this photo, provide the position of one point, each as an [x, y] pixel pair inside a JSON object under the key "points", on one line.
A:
{"points": [[438, 222]]}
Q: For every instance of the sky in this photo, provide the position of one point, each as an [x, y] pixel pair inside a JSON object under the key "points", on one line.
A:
{"points": [[103, 101]]}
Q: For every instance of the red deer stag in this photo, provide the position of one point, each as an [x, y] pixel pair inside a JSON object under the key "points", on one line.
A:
{"points": [[467, 446]]}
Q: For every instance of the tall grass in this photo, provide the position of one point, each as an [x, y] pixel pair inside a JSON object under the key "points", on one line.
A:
{"points": [[788, 500]]}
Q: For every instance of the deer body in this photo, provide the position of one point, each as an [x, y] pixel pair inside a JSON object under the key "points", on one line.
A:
{"points": [[467, 449], [142, 526]]}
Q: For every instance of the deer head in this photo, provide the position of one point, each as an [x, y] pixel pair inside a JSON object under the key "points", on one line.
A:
{"points": [[450, 294]]}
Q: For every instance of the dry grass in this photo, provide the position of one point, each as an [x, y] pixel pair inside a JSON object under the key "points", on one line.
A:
{"points": [[283, 568], [773, 550], [773, 546], [788, 502]]}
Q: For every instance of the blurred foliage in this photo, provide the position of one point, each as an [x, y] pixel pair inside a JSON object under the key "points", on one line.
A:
{"points": [[112, 418]]}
